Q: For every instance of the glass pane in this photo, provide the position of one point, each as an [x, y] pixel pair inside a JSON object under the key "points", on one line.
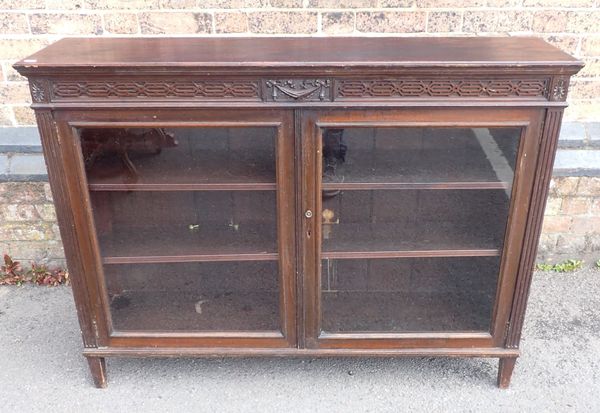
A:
{"points": [[186, 221], [407, 220], [398, 196], [179, 155], [213, 296], [151, 223], [408, 294], [419, 155]]}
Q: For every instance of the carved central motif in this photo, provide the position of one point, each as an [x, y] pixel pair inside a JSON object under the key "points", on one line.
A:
{"points": [[299, 89]]}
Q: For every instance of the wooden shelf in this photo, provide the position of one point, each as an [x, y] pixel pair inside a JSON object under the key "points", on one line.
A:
{"points": [[254, 186], [385, 240], [349, 186], [215, 257], [411, 253], [179, 244]]}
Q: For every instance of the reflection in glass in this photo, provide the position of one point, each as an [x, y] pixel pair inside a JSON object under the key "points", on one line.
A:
{"points": [[419, 155], [179, 155]]}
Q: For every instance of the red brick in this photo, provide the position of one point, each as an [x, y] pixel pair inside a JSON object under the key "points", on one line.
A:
{"points": [[576, 206], [585, 225], [558, 223]]}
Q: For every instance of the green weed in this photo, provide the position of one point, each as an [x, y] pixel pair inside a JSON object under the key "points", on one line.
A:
{"points": [[565, 266]]}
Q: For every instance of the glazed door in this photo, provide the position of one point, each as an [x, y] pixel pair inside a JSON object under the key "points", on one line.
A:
{"points": [[412, 225], [193, 216]]}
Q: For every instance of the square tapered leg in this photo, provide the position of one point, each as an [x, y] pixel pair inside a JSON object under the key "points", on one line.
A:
{"points": [[505, 369], [98, 370]]}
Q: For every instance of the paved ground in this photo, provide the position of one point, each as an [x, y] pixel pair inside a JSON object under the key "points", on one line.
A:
{"points": [[41, 369]]}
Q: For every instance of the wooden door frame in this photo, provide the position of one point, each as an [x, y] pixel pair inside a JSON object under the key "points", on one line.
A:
{"points": [[529, 119], [81, 244]]}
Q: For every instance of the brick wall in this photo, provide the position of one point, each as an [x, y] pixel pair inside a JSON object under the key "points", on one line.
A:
{"points": [[572, 217], [27, 25], [27, 228]]}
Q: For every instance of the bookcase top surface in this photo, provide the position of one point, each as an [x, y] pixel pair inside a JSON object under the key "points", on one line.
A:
{"points": [[308, 52]]}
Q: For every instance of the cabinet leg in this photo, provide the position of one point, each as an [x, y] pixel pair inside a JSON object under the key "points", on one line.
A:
{"points": [[505, 369], [98, 370]]}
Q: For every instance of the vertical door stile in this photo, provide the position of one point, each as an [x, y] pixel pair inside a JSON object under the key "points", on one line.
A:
{"points": [[299, 226]]}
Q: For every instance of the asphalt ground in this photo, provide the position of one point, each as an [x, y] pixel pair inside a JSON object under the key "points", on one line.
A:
{"points": [[42, 370]]}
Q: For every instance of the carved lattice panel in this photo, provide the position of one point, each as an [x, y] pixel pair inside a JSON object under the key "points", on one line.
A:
{"points": [[200, 89], [349, 89]]}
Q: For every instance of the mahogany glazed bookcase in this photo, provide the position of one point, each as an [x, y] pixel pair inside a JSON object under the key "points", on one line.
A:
{"points": [[300, 196]]}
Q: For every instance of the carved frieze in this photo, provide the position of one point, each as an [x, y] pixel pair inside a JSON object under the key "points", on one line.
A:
{"points": [[300, 89]]}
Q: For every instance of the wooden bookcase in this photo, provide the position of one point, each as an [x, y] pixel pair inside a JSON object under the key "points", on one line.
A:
{"points": [[300, 196]]}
